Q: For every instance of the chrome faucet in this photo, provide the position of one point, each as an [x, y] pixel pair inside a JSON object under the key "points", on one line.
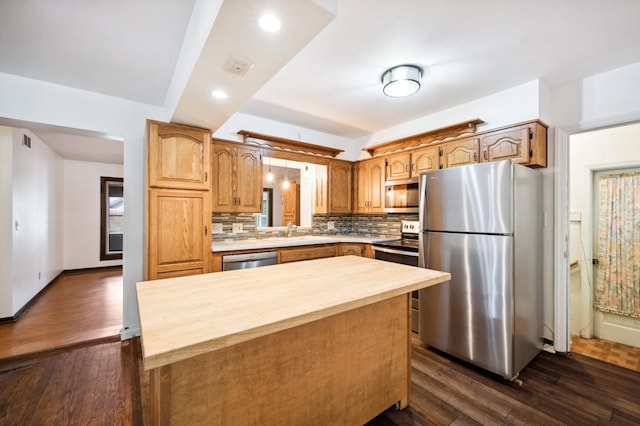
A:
{"points": [[290, 228]]}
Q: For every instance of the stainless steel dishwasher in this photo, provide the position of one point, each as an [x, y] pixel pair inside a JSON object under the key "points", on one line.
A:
{"points": [[249, 260]]}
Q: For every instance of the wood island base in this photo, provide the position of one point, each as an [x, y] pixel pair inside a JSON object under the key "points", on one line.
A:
{"points": [[343, 369]]}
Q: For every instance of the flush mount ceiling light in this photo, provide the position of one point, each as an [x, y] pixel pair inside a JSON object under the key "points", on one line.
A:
{"points": [[403, 80]]}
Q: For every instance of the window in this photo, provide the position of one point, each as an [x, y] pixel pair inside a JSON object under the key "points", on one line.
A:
{"points": [[111, 218]]}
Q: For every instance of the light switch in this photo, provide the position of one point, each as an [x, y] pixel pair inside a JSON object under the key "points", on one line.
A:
{"points": [[236, 228], [216, 228], [331, 225]]}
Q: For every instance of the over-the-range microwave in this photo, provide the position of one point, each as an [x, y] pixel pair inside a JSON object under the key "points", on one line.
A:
{"points": [[401, 196]]}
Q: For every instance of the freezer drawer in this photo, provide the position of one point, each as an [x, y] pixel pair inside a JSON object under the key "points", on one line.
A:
{"points": [[470, 316], [472, 199]]}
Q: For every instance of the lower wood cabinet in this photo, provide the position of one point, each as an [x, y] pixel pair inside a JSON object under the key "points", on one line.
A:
{"points": [[179, 242], [355, 249], [296, 254]]}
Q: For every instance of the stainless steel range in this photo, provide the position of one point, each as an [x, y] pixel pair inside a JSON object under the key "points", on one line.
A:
{"points": [[404, 250]]}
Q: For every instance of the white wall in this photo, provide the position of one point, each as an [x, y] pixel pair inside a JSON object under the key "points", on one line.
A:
{"points": [[39, 102], [240, 121], [37, 209], [81, 247], [605, 99], [588, 152], [6, 221], [515, 105]]}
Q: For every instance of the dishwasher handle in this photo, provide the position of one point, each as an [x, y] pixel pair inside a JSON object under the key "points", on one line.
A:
{"points": [[247, 257]]}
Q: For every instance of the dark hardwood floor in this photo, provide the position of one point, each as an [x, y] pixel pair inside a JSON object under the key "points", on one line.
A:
{"points": [[102, 382], [105, 384], [79, 307]]}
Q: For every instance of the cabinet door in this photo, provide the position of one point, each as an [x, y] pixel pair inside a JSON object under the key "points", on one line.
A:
{"points": [[339, 187], [178, 156], [320, 195], [351, 249], [513, 143], [398, 166], [376, 185], [361, 187], [424, 160], [222, 187], [297, 254], [460, 153], [179, 242], [249, 180]]}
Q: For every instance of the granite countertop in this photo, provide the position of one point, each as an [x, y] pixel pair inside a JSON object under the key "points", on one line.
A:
{"points": [[275, 242]]}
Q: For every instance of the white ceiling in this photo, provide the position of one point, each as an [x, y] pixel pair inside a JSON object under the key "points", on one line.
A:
{"points": [[318, 72]]}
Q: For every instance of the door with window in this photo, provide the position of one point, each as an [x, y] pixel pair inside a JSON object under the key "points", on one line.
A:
{"points": [[616, 248]]}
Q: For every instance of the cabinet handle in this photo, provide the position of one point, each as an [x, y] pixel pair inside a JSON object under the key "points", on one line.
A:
{"points": [[238, 200], [205, 230], [206, 176], [485, 154], [475, 156], [406, 169]]}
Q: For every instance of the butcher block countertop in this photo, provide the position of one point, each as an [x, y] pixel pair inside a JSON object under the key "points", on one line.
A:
{"points": [[188, 316]]}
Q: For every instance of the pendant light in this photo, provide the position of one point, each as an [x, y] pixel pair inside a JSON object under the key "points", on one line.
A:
{"points": [[269, 175], [285, 183]]}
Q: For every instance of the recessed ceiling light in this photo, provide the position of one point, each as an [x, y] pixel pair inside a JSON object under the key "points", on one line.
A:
{"points": [[269, 23], [219, 94]]}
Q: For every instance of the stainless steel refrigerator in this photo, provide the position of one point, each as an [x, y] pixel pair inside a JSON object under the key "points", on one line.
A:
{"points": [[483, 224]]}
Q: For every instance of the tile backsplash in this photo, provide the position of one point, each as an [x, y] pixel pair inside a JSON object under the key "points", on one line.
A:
{"points": [[381, 225]]}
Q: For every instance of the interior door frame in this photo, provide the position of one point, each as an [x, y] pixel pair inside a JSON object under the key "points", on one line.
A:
{"points": [[562, 134]]}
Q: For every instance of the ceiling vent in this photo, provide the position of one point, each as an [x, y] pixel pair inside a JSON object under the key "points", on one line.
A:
{"points": [[26, 141], [238, 66]]}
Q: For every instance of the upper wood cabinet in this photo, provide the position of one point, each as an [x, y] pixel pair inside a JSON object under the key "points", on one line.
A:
{"points": [[236, 178], [460, 153], [410, 164], [398, 166], [369, 177], [339, 187], [424, 160], [525, 144], [178, 156]]}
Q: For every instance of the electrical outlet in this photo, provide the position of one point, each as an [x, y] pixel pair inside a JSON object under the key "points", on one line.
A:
{"points": [[331, 225], [236, 228], [216, 228]]}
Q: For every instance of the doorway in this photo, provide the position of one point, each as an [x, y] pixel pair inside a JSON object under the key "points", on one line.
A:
{"points": [[591, 155], [616, 213]]}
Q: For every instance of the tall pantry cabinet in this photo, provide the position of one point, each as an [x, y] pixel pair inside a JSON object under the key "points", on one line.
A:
{"points": [[178, 213]]}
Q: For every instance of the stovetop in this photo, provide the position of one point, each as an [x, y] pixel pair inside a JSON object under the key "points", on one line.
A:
{"points": [[408, 240]]}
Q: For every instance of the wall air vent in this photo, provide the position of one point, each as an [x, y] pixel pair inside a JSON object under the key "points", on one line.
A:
{"points": [[26, 141], [238, 66]]}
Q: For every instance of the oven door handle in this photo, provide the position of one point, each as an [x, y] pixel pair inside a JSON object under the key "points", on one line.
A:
{"points": [[395, 251]]}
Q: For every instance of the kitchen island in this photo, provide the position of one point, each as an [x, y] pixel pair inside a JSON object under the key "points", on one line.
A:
{"points": [[313, 342]]}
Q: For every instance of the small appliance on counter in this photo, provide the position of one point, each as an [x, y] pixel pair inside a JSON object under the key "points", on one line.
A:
{"points": [[483, 224]]}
